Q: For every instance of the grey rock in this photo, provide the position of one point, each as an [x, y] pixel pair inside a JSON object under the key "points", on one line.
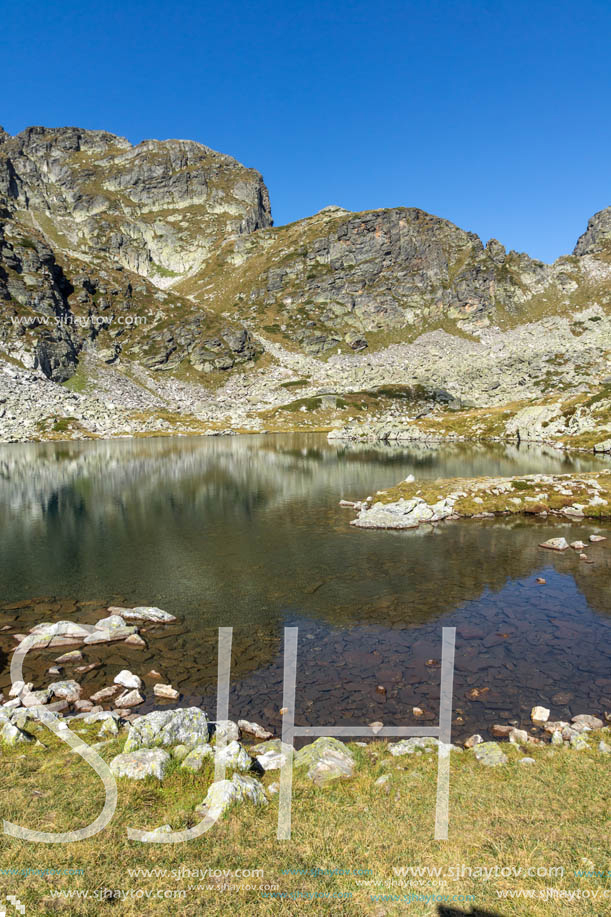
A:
{"points": [[326, 759], [490, 754], [137, 765], [168, 727]]}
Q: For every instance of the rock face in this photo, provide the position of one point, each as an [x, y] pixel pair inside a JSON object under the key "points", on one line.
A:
{"points": [[597, 237], [157, 208]]}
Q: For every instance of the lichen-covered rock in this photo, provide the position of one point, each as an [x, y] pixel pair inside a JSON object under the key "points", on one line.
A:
{"points": [[227, 730], [222, 793], [169, 727], [234, 756], [194, 759], [490, 754], [326, 759], [12, 735], [141, 763], [271, 755]]}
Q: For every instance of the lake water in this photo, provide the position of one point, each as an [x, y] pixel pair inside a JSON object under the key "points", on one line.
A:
{"points": [[247, 532]]}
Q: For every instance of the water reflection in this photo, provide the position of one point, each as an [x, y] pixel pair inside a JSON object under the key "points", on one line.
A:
{"points": [[246, 531]]}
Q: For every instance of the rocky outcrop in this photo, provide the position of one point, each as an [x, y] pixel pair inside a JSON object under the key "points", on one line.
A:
{"points": [[597, 237]]}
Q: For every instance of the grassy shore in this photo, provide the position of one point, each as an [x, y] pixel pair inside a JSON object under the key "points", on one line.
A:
{"points": [[553, 813], [522, 494]]}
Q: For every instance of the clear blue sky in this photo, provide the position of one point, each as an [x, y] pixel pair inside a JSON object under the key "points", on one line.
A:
{"points": [[494, 114]]}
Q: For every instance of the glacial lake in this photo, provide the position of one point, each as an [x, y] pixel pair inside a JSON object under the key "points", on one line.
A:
{"points": [[246, 532]]}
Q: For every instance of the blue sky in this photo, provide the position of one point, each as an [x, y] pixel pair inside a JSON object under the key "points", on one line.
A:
{"points": [[494, 115]]}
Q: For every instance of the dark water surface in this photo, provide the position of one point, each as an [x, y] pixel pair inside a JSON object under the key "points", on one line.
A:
{"points": [[247, 532]]}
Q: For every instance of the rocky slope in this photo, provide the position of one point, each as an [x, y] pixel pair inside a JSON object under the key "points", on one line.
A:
{"points": [[144, 289]]}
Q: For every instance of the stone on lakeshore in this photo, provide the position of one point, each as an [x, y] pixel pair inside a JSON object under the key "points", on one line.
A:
{"points": [[604, 748], [415, 744], [226, 729], [518, 736], [129, 699], [140, 764], [104, 694], [253, 729], [127, 679], [18, 687], [539, 715], [83, 706], [270, 755], [194, 759], [579, 742], [596, 538], [502, 732], [526, 761], [555, 544], [65, 690], [35, 698], [97, 716], [577, 545], [326, 759], [476, 739], [585, 719], [109, 727], [234, 756], [72, 656], [557, 737], [187, 726], [143, 613], [490, 754], [13, 735], [222, 793], [167, 692]]}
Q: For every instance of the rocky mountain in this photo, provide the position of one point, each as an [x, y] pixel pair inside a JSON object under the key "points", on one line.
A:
{"points": [[144, 288]]}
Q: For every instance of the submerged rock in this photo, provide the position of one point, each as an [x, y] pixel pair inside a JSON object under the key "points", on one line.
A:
{"points": [[143, 613]]}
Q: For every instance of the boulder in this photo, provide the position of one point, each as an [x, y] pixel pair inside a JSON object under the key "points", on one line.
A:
{"points": [[194, 759], [222, 793], [326, 759], [141, 763], [555, 544], [168, 727], [69, 691], [255, 730], [234, 756], [489, 754]]}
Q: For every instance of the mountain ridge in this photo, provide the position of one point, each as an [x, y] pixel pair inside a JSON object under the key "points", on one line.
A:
{"points": [[155, 268]]}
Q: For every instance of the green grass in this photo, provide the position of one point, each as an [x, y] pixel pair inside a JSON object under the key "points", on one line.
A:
{"points": [[553, 813]]}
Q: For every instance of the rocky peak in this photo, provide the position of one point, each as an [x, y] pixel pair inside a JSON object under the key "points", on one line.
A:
{"points": [[158, 208], [597, 237]]}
